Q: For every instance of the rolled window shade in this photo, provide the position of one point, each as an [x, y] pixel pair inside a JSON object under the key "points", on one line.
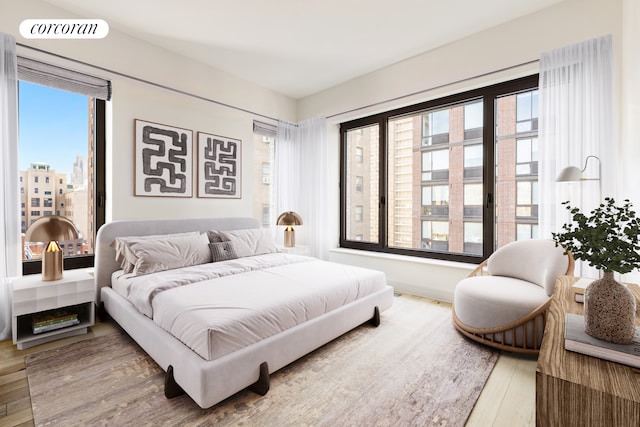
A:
{"points": [[265, 129], [44, 74]]}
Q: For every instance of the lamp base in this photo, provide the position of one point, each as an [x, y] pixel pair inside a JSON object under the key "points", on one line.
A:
{"points": [[289, 238], [51, 265]]}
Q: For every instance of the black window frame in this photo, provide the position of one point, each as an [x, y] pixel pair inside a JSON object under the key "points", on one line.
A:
{"points": [[85, 261], [489, 95]]}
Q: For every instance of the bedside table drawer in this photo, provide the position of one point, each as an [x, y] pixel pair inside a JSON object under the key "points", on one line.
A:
{"points": [[49, 296]]}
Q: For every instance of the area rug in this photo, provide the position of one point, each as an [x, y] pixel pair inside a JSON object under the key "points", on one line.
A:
{"points": [[414, 369]]}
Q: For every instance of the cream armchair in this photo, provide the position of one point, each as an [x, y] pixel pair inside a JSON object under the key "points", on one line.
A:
{"points": [[503, 302]]}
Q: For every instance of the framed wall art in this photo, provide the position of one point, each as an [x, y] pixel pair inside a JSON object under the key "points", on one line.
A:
{"points": [[163, 160], [219, 166]]}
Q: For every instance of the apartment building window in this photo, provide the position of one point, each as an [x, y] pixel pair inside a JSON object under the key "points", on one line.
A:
{"points": [[473, 120], [444, 178], [527, 156], [435, 235], [473, 238], [435, 127], [435, 200], [527, 111], [473, 194], [51, 102], [473, 161]]}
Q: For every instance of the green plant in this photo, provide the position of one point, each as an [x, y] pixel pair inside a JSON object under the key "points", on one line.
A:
{"points": [[608, 239]]}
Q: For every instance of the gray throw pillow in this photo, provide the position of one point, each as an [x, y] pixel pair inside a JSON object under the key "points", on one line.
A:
{"points": [[222, 251]]}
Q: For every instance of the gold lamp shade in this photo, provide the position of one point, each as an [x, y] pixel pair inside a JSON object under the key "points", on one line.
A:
{"points": [[50, 230], [289, 219]]}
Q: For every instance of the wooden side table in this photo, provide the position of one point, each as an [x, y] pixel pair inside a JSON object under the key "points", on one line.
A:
{"points": [[75, 292], [574, 389]]}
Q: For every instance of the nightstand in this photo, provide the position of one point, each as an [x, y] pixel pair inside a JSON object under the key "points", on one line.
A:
{"points": [[74, 293]]}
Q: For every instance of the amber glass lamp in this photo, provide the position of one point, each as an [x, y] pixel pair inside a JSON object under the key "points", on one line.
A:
{"points": [[289, 219], [49, 230]]}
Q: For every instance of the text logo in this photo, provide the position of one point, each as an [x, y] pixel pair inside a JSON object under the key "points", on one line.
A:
{"points": [[64, 29]]}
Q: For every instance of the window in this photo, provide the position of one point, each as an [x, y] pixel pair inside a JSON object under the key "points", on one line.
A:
{"points": [[451, 178], [48, 161], [472, 201], [263, 146], [359, 184], [435, 200], [473, 238], [361, 216], [435, 127], [473, 120], [527, 111]]}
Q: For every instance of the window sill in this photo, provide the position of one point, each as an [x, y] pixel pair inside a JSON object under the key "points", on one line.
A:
{"points": [[405, 258]]}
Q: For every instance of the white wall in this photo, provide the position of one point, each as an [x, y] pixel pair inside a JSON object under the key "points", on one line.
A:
{"points": [[134, 99], [429, 76]]}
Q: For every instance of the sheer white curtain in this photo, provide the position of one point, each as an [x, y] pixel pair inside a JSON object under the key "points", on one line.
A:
{"points": [[300, 180], [9, 197], [576, 121]]}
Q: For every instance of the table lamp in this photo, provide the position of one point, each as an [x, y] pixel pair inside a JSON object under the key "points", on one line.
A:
{"points": [[289, 219], [51, 230]]}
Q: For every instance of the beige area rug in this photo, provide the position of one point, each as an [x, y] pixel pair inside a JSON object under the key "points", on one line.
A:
{"points": [[414, 369]]}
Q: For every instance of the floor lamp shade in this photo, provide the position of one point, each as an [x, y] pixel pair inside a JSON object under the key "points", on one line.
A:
{"points": [[50, 230], [289, 219]]}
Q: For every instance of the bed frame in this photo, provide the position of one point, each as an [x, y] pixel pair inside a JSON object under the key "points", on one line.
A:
{"points": [[210, 382]]}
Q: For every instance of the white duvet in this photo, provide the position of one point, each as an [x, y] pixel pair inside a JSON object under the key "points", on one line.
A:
{"points": [[218, 308]]}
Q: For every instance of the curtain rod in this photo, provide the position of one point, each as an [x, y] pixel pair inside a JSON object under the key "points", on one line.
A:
{"points": [[466, 79], [138, 79], [223, 104]]}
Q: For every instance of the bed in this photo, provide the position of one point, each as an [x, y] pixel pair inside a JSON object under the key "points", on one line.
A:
{"points": [[183, 316]]}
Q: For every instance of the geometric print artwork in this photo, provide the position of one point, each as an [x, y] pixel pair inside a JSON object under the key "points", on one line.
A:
{"points": [[219, 166], [163, 160]]}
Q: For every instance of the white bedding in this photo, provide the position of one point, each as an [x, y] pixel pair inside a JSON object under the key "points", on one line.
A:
{"points": [[231, 304]]}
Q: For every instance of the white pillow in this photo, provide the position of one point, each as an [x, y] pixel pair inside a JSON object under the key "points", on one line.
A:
{"points": [[173, 252], [126, 258], [249, 242]]}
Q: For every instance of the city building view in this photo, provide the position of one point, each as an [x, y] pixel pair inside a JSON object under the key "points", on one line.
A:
{"points": [[262, 176], [435, 190], [45, 192]]}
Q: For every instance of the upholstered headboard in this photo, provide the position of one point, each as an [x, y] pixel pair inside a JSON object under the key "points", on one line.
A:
{"points": [[105, 257]]}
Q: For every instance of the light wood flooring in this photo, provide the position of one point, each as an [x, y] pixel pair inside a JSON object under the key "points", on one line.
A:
{"points": [[508, 398]]}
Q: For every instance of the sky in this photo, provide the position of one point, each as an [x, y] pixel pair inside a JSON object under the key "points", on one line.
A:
{"points": [[53, 126]]}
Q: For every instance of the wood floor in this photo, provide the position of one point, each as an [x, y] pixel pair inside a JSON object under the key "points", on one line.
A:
{"points": [[508, 398]]}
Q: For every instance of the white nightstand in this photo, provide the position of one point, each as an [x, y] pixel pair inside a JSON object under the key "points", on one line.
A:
{"points": [[75, 293]]}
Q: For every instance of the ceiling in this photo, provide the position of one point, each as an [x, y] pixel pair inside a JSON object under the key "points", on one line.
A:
{"points": [[300, 47]]}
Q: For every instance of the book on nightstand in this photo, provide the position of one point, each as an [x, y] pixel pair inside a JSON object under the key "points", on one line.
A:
{"points": [[52, 320], [577, 340], [578, 288]]}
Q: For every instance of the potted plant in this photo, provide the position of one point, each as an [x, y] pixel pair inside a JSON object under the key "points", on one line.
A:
{"points": [[609, 240]]}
